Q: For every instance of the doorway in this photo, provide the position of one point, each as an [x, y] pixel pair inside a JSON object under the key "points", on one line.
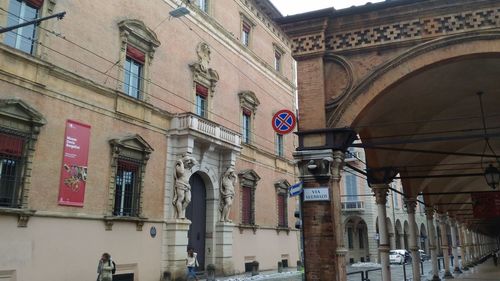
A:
{"points": [[196, 213]]}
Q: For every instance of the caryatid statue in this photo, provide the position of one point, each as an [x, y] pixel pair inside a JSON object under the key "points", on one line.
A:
{"points": [[182, 189], [228, 182]]}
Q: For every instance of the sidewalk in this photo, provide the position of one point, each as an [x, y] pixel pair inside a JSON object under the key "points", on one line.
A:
{"points": [[288, 274]]}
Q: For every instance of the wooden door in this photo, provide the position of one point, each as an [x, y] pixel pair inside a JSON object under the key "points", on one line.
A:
{"points": [[196, 213]]}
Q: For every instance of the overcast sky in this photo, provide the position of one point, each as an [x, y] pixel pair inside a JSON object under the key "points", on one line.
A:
{"points": [[291, 7]]}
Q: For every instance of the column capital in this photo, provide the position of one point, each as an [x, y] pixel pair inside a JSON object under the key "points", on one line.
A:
{"points": [[411, 204], [443, 218], [380, 192], [321, 164], [429, 213]]}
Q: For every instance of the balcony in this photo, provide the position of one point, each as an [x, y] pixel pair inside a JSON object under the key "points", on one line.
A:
{"points": [[205, 130], [353, 206]]}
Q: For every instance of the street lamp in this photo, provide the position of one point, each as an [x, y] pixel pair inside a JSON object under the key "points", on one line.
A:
{"points": [[492, 176]]}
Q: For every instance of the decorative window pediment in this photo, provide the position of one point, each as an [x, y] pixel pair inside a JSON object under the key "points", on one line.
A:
{"points": [[249, 100], [138, 34], [202, 74], [26, 118], [282, 185], [249, 178], [134, 143]]}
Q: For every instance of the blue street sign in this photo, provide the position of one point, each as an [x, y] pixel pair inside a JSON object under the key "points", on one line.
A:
{"points": [[295, 189]]}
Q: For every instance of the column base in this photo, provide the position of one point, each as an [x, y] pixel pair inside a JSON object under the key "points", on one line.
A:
{"points": [[435, 278], [176, 231], [447, 275], [457, 270], [224, 248]]}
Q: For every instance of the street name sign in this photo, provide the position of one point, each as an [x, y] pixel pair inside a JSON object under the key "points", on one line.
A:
{"points": [[295, 189], [317, 194]]}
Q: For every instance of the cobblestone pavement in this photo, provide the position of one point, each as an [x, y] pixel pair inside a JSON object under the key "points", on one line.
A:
{"points": [[397, 273]]}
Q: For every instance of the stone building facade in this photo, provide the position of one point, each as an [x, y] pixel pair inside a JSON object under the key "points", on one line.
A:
{"points": [[128, 91]]}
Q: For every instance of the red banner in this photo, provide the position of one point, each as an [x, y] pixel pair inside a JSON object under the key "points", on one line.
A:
{"points": [[486, 204], [74, 164]]}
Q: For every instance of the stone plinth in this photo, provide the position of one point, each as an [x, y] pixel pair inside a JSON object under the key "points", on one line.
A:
{"points": [[176, 245], [224, 248]]}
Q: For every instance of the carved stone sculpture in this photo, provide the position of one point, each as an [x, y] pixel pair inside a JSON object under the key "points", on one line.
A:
{"points": [[182, 189], [228, 182]]}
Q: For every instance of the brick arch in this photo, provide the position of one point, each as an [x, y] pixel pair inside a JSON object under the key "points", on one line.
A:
{"points": [[402, 67]]}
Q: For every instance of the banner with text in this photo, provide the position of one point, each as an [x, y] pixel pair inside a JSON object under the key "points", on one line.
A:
{"points": [[74, 164]]}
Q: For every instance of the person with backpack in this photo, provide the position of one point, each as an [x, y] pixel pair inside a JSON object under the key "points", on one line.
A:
{"points": [[106, 268], [192, 263]]}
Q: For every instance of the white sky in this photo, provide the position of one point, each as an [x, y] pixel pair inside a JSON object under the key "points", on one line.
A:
{"points": [[291, 7]]}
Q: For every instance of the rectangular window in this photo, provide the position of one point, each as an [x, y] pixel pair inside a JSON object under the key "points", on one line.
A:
{"points": [[396, 199], [245, 33], [246, 126], [134, 64], [201, 100], [203, 5], [349, 238], [246, 205], [277, 61], [279, 145], [22, 38], [351, 187], [282, 221], [361, 238], [127, 193], [11, 163]]}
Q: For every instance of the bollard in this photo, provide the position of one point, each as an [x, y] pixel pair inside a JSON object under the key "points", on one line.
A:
{"points": [[422, 267], [210, 272], [404, 271], [166, 276], [255, 268], [280, 267], [299, 265]]}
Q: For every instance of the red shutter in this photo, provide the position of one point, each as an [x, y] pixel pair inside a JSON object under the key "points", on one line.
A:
{"points": [[136, 54], [128, 166], [246, 215], [11, 145], [277, 55], [246, 27], [37, 4], [247, 112], [201, 91], [281, 210]]}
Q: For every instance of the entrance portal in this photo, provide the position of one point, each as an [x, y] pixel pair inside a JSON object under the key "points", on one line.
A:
{"points": [[196, 213]]}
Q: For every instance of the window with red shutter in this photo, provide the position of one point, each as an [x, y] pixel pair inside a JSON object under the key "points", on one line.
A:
{"points": [[246, 205], [245, 33], [11, 167], [282, 220], [127, 188]]}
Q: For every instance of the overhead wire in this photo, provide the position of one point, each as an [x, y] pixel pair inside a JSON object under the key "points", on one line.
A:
{"points": [[58, 35]]}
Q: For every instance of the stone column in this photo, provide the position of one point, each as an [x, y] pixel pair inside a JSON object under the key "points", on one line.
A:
{"points": [[324, 251], [472, 248], [224, 248], [381, 191], [444, 246], [176, 240], [454, 244], [411, 204], [463, 246], [429, 213]]}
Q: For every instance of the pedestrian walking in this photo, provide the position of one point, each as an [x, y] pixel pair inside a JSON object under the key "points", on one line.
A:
{"points": [[106, 268], [191, 263]]}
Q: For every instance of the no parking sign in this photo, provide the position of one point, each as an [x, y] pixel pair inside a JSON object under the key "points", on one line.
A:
{"points": [[284, 121]]}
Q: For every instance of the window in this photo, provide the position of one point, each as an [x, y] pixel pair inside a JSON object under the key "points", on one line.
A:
{"points": [[361, 238], [246, 126], [134, 64], [245, 33], [18, 136], [138, 45], [203, 5], [249, 104], [350, 238], [129, 159], [277, 61], [351, 188], [282, 217], [201, 100], [11, 169], [246, 212], [248, 181], [22, 38], [279, 145], [127, 187]]}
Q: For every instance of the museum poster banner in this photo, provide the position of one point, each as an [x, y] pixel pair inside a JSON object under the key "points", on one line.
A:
{"points": [[486, 204], [74, 164]]}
